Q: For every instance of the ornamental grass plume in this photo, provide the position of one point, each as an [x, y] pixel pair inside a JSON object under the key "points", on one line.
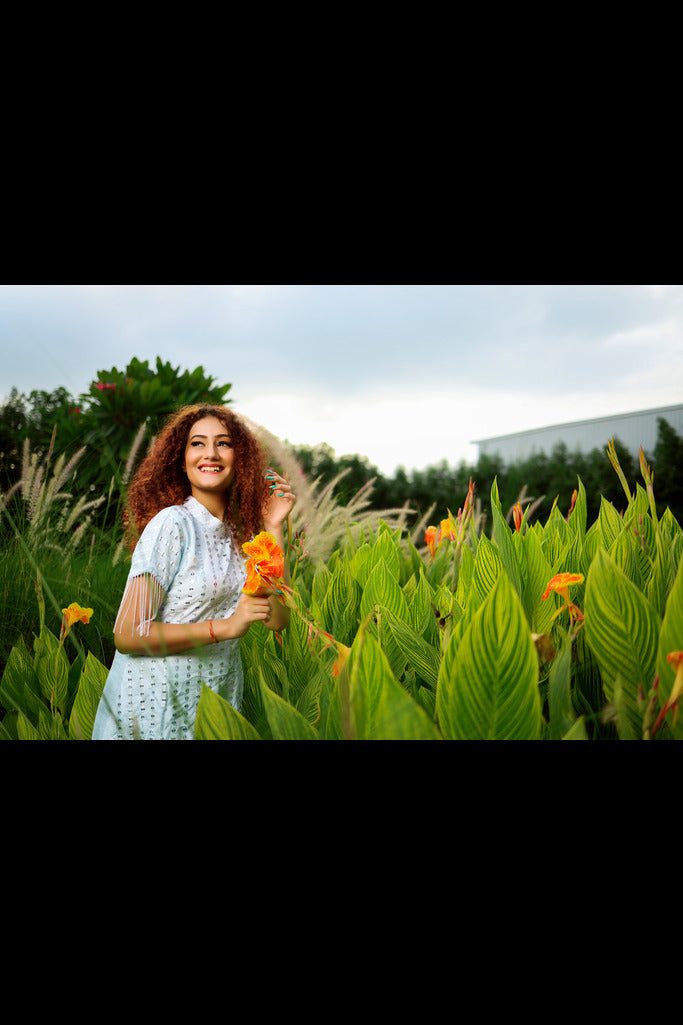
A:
{"points": [[318, 511]]}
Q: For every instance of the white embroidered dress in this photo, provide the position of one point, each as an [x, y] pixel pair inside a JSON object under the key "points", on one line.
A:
{"points": [[197, 573]]}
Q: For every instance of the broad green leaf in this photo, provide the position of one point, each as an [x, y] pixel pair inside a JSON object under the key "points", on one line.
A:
{"points": [[539, 611], [382, 589], [422, 617], [20, 685], [90, 687], [560, 709], [622, 630], [488, 566], [371, 704], [504, 541], [422, 656], [623, 552], [610, 523], [399, 717], [579, 514], [385, 551], [285, 722], [341, 603], [218, 720], [488, 682]]}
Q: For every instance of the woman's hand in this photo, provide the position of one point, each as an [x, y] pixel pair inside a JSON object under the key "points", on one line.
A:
{"points": [[251, 609], [279, 505]]}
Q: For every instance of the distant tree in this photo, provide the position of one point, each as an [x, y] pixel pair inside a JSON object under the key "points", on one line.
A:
{"points": [[119, 408], [668, 466]]}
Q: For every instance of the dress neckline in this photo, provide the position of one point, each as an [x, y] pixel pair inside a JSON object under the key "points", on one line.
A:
{"points": [[200, 510]]}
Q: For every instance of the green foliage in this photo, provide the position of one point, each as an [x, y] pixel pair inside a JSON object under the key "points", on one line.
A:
{"points": [[45, 696], [496, 654]]}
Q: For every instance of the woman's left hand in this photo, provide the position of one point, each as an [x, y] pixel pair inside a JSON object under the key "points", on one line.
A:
{"points": [[279, 505]]}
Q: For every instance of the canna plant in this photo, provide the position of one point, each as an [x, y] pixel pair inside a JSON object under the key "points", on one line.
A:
{"points": [[555, 630], [46, 696]]}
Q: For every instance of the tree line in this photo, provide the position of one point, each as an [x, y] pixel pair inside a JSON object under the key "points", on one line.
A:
{"points": [[125, 407]]}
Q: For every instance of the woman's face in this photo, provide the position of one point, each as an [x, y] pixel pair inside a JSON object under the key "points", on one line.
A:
{"points": [[209, 460]]}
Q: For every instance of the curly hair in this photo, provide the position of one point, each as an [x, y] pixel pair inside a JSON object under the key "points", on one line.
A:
{"points": [[160, 480]]}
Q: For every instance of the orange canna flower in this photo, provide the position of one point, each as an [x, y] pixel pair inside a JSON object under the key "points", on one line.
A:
{"points": [[560, 584], [448, 529], [518, 516], [74, 614], [265, 565], [431, 539]]}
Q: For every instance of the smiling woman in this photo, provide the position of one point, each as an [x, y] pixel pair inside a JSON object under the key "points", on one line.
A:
{"points": [[200, 493]]}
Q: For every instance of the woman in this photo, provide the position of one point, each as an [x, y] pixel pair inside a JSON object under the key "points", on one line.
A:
{"points": [[197, 497]]}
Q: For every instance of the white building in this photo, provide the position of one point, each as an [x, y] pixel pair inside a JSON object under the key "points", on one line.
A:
{"points": [[631, 429]]}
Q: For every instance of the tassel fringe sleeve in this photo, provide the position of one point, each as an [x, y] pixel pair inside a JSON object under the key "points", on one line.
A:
{"points": [[140, 604]]}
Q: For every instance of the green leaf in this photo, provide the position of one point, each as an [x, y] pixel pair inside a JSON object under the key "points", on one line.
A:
{"points": [[539, 611], [90, 687], [579, 514], [341, 603], [622, 630], [218, 720], [504, 541], [560, 708], [20, 685], [285, 722], [488, 566], [610, 523], [382, 589], [488, 682], [371, 704], [423, 657]]}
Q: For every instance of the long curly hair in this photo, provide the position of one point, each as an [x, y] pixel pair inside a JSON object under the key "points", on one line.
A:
{"points": [[160, 480]]}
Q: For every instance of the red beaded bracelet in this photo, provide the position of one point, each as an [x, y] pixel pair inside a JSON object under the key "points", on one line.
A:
{"points": [[213, 636]]}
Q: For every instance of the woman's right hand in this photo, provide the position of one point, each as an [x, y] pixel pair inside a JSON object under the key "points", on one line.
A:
{"points": [[251, 609]]}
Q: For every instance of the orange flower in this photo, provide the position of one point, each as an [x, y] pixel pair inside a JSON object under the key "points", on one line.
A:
{"points": [[73, 614], [265, 565], [431, 536], [560, 584], [518, 516]]}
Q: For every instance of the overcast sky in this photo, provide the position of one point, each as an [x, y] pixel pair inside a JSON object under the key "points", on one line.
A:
{"points": [[403, 374]]}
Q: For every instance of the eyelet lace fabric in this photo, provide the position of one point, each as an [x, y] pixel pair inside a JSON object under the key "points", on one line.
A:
{"points": [[194, 571]]}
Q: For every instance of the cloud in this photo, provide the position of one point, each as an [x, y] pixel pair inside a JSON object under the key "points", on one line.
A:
{"points": [[400, 373]]}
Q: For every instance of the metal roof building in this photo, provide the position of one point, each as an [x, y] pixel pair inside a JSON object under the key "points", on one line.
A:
{"points": [[631, 429]]}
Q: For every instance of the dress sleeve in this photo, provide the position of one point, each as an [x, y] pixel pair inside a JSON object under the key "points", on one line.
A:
{"points": [[154, 564]]}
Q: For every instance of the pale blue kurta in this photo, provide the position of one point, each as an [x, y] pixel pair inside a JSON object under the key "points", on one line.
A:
{"points": [[200, 572]]}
